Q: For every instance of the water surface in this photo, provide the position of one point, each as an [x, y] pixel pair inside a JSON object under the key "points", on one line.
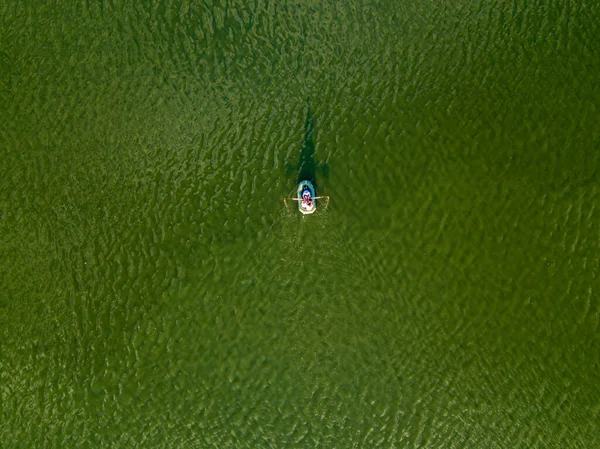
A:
{"points": [[155, 292]]}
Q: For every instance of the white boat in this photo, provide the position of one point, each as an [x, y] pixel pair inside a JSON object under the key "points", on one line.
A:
{"points": [[306, 198]]}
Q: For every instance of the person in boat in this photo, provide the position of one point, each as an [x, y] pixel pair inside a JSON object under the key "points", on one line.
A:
{"points": [[306, 199]]}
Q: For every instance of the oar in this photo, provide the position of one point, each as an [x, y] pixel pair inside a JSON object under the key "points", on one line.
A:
{"points": [[327, 204], [312, 198]]}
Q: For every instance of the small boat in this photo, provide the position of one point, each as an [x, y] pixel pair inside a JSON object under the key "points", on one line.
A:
{"points": [[307, 202], [306, 197]]}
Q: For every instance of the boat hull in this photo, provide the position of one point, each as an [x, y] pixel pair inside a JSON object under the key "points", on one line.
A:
{"points": [[301, 186]]}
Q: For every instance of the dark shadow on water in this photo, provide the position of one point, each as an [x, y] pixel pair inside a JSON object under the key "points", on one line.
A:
{"points": [[307, 166]]}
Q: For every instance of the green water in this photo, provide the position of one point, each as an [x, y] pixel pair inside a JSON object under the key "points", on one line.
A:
{"points": [[155, 292]]}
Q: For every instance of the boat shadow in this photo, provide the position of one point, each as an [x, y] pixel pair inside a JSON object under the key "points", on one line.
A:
{"points": [[307, 166]]}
